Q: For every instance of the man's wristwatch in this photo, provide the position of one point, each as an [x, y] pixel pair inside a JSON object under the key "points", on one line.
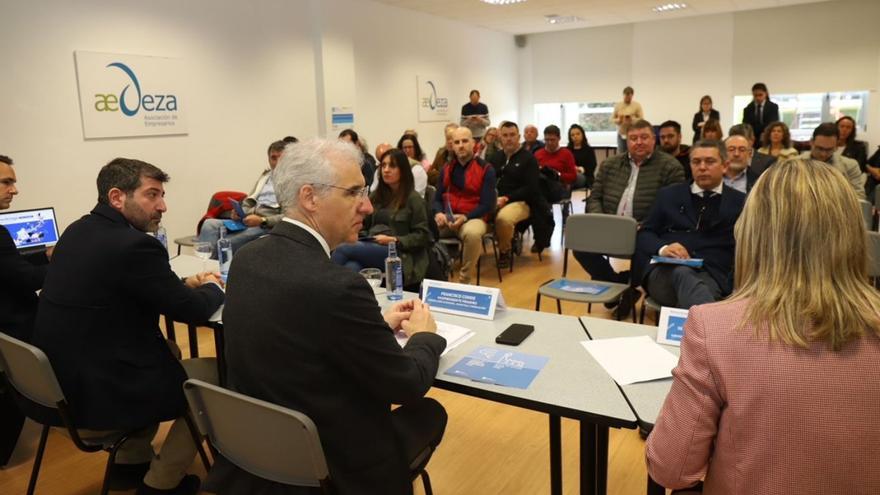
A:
{"points": [[264, 222]]}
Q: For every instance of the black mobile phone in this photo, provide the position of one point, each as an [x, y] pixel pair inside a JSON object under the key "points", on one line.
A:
{"points": [[514, 334]]}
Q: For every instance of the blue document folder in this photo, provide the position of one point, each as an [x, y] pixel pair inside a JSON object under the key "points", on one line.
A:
{"points": [[691, 262], [590, 288], [499, 367]]}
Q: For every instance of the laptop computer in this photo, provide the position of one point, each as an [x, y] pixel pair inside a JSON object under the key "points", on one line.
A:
{"points": [[31, 230]]}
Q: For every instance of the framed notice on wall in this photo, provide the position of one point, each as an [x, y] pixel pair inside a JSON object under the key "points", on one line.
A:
{"points": [[130, 95], [433, 99]]}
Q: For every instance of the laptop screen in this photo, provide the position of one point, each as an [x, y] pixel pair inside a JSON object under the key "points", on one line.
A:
{"points": [[31, 229]]}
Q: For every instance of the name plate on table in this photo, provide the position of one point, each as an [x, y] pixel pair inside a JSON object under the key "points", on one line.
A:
{"points": [[670, 328], [462, 299]]}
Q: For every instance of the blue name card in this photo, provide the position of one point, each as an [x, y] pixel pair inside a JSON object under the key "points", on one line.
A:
{"points": [[670, 329], [462, 299]]}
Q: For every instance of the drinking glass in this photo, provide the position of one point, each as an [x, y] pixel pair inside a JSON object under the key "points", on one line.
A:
{"points": [[203, 251], [373, 276]]}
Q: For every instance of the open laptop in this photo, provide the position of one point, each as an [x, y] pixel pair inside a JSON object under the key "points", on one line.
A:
{"points": [[31, 230]]}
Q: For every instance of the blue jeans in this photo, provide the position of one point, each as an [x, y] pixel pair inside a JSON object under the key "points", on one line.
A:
{"points": [[360, 255], [211, 232]]}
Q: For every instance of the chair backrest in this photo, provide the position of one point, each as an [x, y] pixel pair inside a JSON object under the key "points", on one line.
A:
{"points": [[28, 370], [430, 192], [874, 254], [218, 204], [601, 233], [867, 213], [264, 439]]}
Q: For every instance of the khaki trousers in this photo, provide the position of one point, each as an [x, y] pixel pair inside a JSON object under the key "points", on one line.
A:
{"points": [[471, 236], [178, 450], [506, 220]]}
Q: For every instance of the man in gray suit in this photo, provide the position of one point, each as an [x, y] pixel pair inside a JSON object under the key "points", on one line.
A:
{"points": [[307, 334], [759, 162]]}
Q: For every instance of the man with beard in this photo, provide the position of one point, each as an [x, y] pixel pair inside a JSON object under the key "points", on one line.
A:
{"points": [[670, 142], [98, 323], [739, 175]]}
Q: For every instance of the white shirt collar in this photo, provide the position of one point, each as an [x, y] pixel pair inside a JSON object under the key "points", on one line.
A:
{"points": [[310, 230], [695, 189]]}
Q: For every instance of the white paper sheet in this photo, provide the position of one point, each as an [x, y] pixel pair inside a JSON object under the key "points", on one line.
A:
{"points": [[632, 359], [454, 335]]}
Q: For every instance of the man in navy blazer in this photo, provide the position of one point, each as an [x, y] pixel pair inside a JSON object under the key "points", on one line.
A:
{"points": [[761, 111], [691, 221]]}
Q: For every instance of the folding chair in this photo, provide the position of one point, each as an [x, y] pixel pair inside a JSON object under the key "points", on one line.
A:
{"points": [[599, 233], [267, 440]]}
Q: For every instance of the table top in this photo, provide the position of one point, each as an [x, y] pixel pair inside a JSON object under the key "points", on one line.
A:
{"points": [[646, 398], [570, 385], [186, 265]]}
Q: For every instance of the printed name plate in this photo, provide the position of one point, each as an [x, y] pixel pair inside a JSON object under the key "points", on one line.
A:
{"points": [[670, 330], [462, 299]]}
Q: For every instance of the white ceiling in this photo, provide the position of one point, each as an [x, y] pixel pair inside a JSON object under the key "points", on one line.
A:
{"points": [[528, 17]]}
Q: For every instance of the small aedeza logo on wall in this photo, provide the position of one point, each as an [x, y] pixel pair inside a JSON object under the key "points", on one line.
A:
{"points": [[130, 95]]}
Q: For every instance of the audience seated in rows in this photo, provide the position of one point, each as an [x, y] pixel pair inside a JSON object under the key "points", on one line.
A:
{"points": [[106, 286], [307, 334], [465, 199], [739, 174], [776, 388], [712, 131], [823, 148], [557, 158], [530, 139], [399, 215], [776, 142], [420, 177], [260, 207], [490, 144], [670, 142], [409, 144], [691, 221], [584, 157], [627, 184]]}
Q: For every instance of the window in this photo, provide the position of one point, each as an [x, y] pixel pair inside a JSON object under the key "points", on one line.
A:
{"points": [[595, 118], [805, 111]]}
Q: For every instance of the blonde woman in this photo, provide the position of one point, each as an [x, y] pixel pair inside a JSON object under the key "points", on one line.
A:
{"points": [[776, 142], [776, 390]]}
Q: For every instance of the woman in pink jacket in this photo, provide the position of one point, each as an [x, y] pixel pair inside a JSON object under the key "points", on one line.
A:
{"points": [[777, 390]]}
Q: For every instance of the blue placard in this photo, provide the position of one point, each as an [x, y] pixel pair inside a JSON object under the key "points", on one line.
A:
{"points": [[670, 326], [668, 260], [499, 367], [463, 301], [675, 328], [589, 288]]}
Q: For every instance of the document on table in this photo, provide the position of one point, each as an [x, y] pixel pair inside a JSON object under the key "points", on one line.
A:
{"points": [[632, 359], [454, 335], [498, 367]]}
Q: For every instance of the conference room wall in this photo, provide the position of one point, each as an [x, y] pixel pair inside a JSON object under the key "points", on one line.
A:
{"points": [[829, 46], [249, 74]]}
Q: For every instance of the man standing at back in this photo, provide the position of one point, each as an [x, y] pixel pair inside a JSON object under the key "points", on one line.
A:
{"points": [[625, 113], [627, 184], [307, 334], [98, 323], [475, 116], [760, 111]]}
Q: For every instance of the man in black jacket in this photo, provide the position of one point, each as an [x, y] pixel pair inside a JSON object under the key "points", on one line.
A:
{"points": [[22, 278], [760, 112], [691, 221], [307, 334], [519, 197], [98, 323]]}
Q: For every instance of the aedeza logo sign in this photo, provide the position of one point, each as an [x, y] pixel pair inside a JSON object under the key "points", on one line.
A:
{"points": [[433, 101], [131, 99]]}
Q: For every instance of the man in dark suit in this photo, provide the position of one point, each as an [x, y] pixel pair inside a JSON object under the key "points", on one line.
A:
{"points": [[761, 111], [759, 162], [691, 221], [97, 322], [22, 278], [307, 334], [740, 174]]}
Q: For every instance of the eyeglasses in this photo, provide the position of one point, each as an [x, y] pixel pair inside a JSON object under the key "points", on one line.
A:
{"points": [[353, 193]]}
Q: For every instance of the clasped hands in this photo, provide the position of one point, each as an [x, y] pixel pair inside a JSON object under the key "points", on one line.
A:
{"points": [[675, 250], [442, 221], [203, 278], [412, 316]]}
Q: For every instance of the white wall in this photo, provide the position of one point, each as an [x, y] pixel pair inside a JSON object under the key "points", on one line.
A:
{"points": [[831, 46], [256, 71]]}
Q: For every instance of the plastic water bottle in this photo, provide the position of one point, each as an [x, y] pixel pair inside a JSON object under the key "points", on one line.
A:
{"points": [[393, 274], [224, 254]]}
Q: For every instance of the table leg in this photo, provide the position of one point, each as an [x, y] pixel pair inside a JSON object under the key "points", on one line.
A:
{"points": [[588, 458], [193, 341], [169, 329], [601, 460], [220, 346], [654, 488], [555, 455]]}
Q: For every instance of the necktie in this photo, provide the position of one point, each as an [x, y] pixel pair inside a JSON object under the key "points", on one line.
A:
{"points": [[707, 194], [760, 113]]}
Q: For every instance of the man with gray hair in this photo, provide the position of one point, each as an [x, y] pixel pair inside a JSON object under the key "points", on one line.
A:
{"points": [[307, 334], [759, 162]]}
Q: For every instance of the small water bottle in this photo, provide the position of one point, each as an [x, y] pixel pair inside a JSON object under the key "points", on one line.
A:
{"points": [[393, 274], [224, 254], [162, 236]]}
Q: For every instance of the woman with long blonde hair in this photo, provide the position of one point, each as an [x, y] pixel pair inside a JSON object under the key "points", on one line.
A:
{"points": [[777, 388]]}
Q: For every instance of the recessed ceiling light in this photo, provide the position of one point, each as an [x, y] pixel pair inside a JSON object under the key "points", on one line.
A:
{"points": [[669, 6], [502, 2], [562, 19]]}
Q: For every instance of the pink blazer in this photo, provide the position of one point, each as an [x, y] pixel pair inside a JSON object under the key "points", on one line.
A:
{"points": [[754, 417]]}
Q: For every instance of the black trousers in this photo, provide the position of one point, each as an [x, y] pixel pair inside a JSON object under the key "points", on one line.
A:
{"points": [[681, 286], [600, 268], [417, 426]]}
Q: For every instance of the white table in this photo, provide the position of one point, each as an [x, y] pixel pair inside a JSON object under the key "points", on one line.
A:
{"points": [[186, 265]]}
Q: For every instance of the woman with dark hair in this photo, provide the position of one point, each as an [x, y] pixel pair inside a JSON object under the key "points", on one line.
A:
{"points": [[399, 215], [849, 146], [712, 131], [705, 114], [409, 144], [584, 156], [776, 142]]}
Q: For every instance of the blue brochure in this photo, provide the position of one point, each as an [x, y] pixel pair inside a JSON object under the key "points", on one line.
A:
{"points": [[579, 287], [234, 225], [238, 209], [691, 262], [499, 367]]}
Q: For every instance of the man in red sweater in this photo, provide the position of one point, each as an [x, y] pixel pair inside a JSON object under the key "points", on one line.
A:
{"points": [[559, 159]]}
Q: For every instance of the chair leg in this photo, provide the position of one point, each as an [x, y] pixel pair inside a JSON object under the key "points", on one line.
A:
{"points": [[44, 437], [197, 439], [111, 461], [193, 334], [559, 306], [538, 302], [479, 258], [426, 481], [642, 314], [589, 308], [169, 329], [495, 252]]}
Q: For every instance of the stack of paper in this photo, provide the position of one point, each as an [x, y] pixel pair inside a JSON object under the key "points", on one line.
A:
{"points": [[454, 335], [632, 359]]}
